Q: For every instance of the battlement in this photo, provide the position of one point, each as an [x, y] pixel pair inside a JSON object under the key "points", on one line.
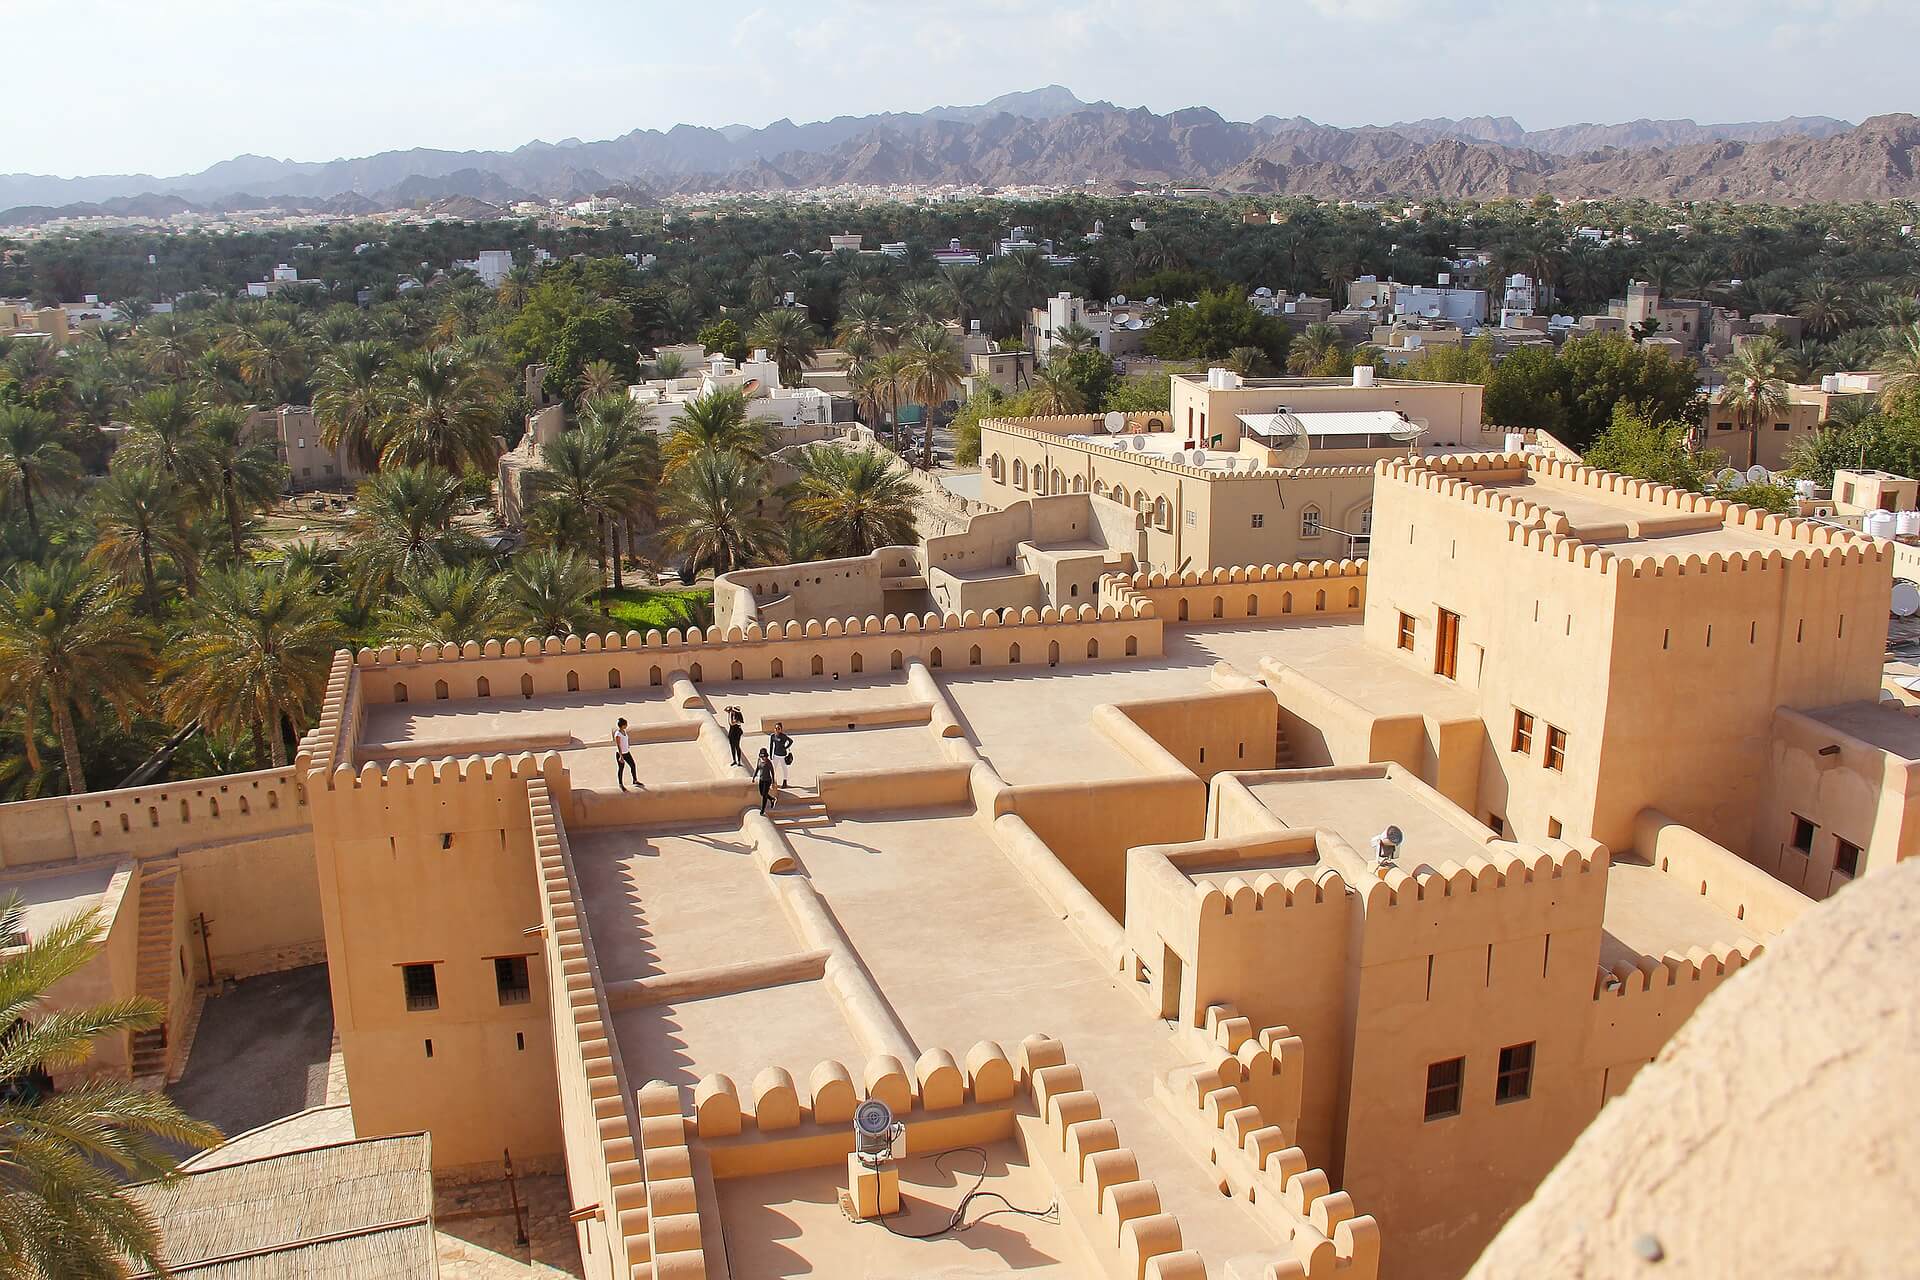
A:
{"points": [[602, 1154], [399, 773], [1260, 1160], [152, 821], [1698, 964], [1267, 590], [1608, 522]]}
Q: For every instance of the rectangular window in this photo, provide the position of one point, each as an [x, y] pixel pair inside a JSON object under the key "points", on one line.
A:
{"points": [[1779, 426], [1259, 520], [423, 991], [1803, 833], [1406, 632], [1515, 1080], [1846, 858], [1310, 523], [1522, 732], [1443, 1088], [510, 979], [1556, 748]]}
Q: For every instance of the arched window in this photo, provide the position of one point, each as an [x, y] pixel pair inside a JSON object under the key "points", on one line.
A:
{"points": [[819, 665], [933, 659], [1079, 484], [1019, 474], [896, 661], [1320, 602], [1093, 648], [1013, 653], [573, 682], [858, 664], [1286, 602], [695, 674], [399, 692], [482, 688], [997, 468], [613, 677], [1163, 513], [1133, 646], [1183, 608], [1053, 654], [526, 686], [1253, 606], [653, 675], [1310, 523], [1219, 607], [1366, 521], [1353, 597], [440, 690], [738, 671], [973, 656], [779, 669], [1120, 494]]}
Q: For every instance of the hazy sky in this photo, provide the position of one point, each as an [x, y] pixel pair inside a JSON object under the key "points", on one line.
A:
{"points": [[170, 87]]}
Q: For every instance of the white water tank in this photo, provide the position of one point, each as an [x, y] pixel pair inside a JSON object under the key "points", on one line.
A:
{"points": [[1880, 524], [1830, 383], [1516, 442], [1806, 489], [1907, 523], [1363, 375]]}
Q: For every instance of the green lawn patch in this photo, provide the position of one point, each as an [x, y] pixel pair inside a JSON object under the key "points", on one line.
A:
{"points": [[641, 608]]}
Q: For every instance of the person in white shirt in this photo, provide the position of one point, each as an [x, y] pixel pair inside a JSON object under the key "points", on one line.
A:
{"points": [[623, 756]]}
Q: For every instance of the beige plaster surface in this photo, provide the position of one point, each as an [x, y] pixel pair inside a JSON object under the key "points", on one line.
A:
{"points": [[1358, 809], [1776, 1134], [1650, 913], [1334, 654], [796, 1026], [790, 1224], [667, 902], [588, 716], [1879, 724], [46, 900], [592, 767], [964, 950], [1034, 726]]}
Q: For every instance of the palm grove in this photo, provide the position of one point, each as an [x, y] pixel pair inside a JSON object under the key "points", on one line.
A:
{"points": [[145, 603]]}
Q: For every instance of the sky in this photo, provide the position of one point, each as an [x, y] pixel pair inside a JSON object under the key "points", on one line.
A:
{"points": [[122, 86]]}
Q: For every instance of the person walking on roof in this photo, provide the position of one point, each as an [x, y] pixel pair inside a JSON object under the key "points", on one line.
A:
{"points": [[781, 746], [736, 729], [623, 756], [763, 774]]}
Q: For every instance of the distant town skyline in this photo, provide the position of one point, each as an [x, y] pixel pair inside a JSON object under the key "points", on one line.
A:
{"points": [[120, 87]]}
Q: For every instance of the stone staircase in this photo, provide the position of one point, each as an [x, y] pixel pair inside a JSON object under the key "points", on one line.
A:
{"points": [[153, 976], [797, 810], [1282, 749]]}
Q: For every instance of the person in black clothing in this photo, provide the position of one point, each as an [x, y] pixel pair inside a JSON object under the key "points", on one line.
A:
{"points": [[763, 774], [736, 729], [623, 756], [782, 748]]}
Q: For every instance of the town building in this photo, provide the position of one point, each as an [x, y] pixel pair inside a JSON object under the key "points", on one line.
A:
{"points": [[1685, 322], [758, 377], [1771, 443], [283, 277], [491, 265], [310, 463], [1119, 328], [1442, 301], [1275, 918]]}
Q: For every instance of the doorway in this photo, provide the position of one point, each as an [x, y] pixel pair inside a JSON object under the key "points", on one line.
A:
{"points": [[1446, 645]]}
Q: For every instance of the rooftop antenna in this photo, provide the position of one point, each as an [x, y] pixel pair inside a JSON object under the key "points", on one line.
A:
{"points": [[1115, 422], [1291, 444]]}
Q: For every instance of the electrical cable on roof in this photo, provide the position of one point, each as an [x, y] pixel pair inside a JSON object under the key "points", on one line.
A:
{"points": [[957, 1221]]}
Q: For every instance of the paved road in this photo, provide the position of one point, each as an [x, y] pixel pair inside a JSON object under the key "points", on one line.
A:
{"points": [[261, 1051]]}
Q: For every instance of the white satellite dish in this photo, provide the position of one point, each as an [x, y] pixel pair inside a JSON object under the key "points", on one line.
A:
{"points": [[1116, 422], [1728, 478], [1906, 599], [1757, 474]]}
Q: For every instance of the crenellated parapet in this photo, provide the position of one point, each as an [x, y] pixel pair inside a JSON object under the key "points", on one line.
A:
{"points": [[1222, 1112], [603, 1156], [1243, 591], [1060, 432]]}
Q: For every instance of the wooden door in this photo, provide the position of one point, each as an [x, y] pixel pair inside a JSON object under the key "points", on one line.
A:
{"points": [[1446, 645]]}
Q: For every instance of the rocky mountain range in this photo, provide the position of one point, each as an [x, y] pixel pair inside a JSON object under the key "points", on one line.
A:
{"points": [[1050, 137]]}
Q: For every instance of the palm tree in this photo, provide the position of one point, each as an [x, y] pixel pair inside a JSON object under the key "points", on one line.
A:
{"points": [[65, 1156], [1756, 388], [1248, 362], [788, 340], [925, 302], [635, 451], [34, 460], [1054, 393], [933, 369], [403, 526], [271, 357], [867, 318], [170, 344], [1824, 306], [139, 515], [1900, 361], [65, 634], [241, 474], [599, 378], [1075, 337], [350, 400], [552, 590], [714, 422], [163, 434], [669, 365], [713, 512], [439, 414], [1315, 347], [596, 470], [453, 603], [854, 501], [253, 655]]}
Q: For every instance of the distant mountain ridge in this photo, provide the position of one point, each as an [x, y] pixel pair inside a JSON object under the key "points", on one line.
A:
{"points": [[1048, 136]]}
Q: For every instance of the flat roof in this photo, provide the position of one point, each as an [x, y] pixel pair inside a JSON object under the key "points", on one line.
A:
{"points": [[48, 899], [1650, 913], [1358, 808], [1886, 725]]}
